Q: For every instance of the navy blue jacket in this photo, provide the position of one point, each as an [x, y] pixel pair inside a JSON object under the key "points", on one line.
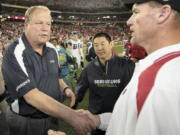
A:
{"points": [[24, 69], [105, 83]]}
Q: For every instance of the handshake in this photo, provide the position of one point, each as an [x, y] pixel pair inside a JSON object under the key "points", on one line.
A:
{"points": [[86, 122], [83, 121]]}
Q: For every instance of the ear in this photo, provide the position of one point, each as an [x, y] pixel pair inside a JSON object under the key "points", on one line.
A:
{"points": [[164, 13], [25, 23], [112, 43]]}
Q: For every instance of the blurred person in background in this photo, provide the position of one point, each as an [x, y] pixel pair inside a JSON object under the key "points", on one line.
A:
{"points": [[55, 42], [3, 104], [77, 48], [2, 49], [72, 65], [134, 52], [90, 55], [67, 63]]}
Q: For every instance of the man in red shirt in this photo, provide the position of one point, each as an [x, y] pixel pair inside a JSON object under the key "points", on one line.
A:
{"points": [[134, 52]]}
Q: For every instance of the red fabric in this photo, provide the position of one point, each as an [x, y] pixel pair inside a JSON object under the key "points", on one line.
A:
{"points": [[135, 51], [148, 76], [128, 44]]}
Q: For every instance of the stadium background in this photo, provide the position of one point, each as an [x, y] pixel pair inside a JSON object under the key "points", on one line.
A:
{"points": [[85, 16]]}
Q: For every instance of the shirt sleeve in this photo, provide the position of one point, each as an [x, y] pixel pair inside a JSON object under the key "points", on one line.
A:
{"points": [[16, 77], [104, 120]]}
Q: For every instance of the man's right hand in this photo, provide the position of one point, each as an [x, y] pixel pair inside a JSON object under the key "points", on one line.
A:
{"points": [[83, 122], [52, 132]]}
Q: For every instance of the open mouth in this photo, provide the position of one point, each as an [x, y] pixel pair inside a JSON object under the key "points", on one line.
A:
{"points": [[131, 31]]}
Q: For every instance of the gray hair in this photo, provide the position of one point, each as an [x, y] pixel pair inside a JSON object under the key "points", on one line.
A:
{"points": [[31, 10]]}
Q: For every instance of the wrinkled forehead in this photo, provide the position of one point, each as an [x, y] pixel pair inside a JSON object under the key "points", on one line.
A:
{"points": [[39, 12], [138, 4], [142, 6]]}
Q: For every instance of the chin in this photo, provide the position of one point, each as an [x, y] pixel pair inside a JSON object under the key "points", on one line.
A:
{"points": [[42, 42], [101, 57]]}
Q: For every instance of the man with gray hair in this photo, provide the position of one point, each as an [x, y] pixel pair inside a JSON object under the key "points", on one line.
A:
{"points": [[34, 85]]}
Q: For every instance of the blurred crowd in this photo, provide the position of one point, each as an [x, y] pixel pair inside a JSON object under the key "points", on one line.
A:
{"points": [[11, 30]]}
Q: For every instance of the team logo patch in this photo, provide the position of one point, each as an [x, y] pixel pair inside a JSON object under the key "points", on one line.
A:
{"points": [[52, 61], [107, 83]]}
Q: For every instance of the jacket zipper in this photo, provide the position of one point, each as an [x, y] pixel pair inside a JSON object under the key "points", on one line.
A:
{"points": [[106, 68]]}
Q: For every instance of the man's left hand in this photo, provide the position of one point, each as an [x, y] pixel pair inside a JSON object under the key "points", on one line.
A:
{"points": [[71, 95]]}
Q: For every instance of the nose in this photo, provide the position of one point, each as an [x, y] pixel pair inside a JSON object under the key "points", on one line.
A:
{"points": [[99, 47], [45, 27], [129, 21]]}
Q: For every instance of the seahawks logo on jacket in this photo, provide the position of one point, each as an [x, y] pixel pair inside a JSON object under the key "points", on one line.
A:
{"points": [[107, 83]]}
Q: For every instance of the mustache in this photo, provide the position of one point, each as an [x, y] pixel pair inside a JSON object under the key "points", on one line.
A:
{"points": [[44, 34]]}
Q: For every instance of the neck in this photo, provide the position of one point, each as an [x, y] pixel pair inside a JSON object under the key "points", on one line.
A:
{"points": [[103, 60], [37, 47], [39, 50], [164, 39]]}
